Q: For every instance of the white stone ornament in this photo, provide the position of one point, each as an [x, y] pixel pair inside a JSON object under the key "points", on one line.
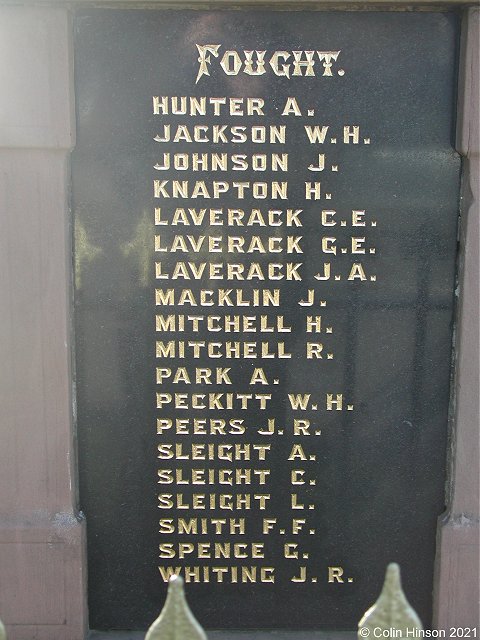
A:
{"points": [[176, 621], [392, 612]]}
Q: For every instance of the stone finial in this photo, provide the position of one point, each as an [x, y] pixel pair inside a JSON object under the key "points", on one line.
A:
{"points": [[176, 621], [391, 611]]}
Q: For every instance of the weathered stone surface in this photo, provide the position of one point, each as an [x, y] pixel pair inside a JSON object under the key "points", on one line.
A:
{"points": [[42, 535]]}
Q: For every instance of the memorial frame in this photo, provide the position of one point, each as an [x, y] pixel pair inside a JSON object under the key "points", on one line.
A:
{"points": [[42, 534]]}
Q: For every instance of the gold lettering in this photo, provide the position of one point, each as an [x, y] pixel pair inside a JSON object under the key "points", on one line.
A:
{"points": [[335, 574]]}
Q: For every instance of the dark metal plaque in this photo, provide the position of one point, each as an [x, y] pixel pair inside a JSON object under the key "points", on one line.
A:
{"points": [[265, 208]]}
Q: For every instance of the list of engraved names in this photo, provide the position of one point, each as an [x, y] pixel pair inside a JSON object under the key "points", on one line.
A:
{"points": [[251, 252]]}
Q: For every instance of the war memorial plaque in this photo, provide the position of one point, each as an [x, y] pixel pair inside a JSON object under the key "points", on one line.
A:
{"points": [[265, 208]]}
